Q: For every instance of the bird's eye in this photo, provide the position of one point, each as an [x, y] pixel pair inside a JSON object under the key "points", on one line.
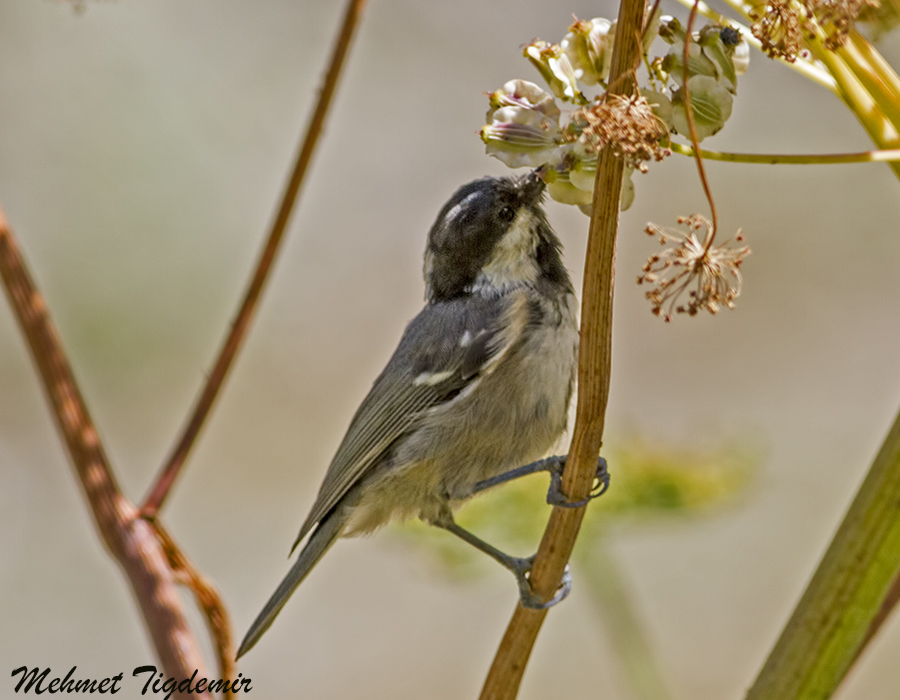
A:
{"points": [[507, 214]]}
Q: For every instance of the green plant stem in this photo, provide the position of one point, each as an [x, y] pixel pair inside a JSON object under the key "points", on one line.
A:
{"points": [[877, 83], [880, 130], [609, 592], [889, 155], [879, 89], [829, 625], [881, 67]]}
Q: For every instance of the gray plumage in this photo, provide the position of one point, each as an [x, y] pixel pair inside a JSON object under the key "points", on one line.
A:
{"points": [[479, 384]]}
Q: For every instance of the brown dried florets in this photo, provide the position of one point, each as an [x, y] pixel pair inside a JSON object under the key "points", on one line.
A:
{"points": [[836, 17], [780, 25], [709, 274], [627, 124], [780, 28]]}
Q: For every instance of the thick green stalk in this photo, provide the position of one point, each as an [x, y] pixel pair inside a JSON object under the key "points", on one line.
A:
{"points": [[822, 639]]}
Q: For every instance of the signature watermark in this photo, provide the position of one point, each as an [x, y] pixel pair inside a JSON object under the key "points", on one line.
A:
{"points": [[155, 683]]}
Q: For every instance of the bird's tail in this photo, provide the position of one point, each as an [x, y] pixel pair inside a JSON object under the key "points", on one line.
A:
{"points": [[326, 532]]}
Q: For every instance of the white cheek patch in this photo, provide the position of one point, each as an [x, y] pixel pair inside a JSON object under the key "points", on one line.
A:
{"points": [[512, 262]]}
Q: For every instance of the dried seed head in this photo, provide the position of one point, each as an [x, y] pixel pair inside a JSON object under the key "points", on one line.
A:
{"points": [[625, 123], [710, 275], [780, 28], [836, 17], [781, 24]]}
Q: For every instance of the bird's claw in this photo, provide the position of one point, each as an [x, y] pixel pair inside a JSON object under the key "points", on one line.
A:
{"points": [[555, 496], [528, 597]]}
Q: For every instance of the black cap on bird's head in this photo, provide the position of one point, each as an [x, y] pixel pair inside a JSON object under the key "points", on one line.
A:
{"points": [[491, 235]]}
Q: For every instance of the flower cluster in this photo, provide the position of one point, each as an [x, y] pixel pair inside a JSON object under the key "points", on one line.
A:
{"points": [[564, 127], [710, 275]]}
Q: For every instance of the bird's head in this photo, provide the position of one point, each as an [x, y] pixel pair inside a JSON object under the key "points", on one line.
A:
{"points": [[492, 236]]}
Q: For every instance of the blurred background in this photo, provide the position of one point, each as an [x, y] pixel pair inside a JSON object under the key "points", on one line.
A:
{"points": [[143, 146]]}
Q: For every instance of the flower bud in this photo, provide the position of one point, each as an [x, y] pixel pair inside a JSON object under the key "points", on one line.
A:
{"points": [[712, 46], [711, 102], [555, 69], [698, 63], [521, 93], [519, 136], [562, 190], [588, 46], [661, 106]]}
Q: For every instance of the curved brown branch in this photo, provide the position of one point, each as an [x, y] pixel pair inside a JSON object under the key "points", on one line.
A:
{"points": [[208, 600], [594, 364], [130, 540], [692, 126], [244, 316]]}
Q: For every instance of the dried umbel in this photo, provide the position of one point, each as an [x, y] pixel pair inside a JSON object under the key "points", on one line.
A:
{"points": [[781, 25], [780, 28], [625, 123], [693, 275], [837, 17]]}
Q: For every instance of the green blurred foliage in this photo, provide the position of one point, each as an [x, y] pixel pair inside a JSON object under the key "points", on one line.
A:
{"points": [[649, 483]]}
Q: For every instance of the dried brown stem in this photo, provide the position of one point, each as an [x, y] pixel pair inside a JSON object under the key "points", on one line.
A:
{"points": [[208, 600], [241, 323], [130, 540], [689, 112], [594, 362]]}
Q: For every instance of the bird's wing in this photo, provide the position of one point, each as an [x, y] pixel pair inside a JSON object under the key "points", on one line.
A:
{"points": [[446, 349]]}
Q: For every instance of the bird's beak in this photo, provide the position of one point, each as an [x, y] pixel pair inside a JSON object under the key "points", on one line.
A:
{"points": [[532, 187]]}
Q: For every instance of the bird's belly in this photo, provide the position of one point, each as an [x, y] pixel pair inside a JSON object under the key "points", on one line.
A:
{"points": [[514, 417]]}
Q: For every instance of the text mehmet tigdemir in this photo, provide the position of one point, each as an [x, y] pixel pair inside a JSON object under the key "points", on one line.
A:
{"points": [[156, 683]]}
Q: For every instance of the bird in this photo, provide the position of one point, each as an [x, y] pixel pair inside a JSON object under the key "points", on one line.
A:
{"points": [[479, 385]]}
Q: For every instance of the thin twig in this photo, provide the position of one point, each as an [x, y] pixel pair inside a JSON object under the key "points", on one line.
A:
{"points": [[208, 600], [130, 540], [241, 323], [594, 362], [692, 127], [649, 19]]}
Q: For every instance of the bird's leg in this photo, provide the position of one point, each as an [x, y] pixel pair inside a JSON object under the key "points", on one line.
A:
{"points": [[554, 465], [520, 567]]}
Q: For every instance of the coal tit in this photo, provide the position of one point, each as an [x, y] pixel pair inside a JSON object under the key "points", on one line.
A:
{"points": [[480, 383]]}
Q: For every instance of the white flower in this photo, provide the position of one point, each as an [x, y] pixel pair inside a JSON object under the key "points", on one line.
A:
{"points": [[588, 46], [519, 136], [521, 93]]}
